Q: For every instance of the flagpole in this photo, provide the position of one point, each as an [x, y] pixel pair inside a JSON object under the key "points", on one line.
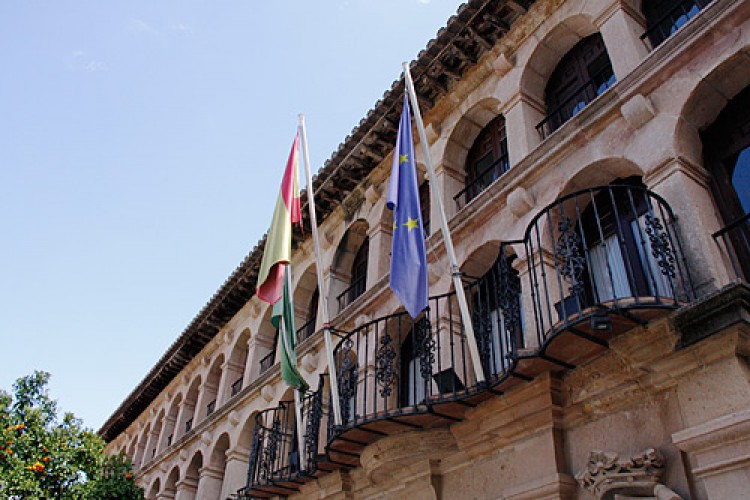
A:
{"points": [[323, 292], [289, 349], [437, 199]]}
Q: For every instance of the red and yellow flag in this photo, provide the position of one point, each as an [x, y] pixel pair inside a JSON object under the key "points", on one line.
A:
{"points": [[278, 251]]}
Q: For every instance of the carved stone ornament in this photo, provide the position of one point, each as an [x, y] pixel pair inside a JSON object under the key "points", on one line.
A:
{"points": [[608, 477]]}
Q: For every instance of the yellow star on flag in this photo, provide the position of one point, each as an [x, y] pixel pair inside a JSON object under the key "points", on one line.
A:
{"points": [[411, 223], [403, 159]]}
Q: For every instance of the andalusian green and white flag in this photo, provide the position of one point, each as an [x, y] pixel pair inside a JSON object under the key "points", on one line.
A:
{"points": [[282, 318]]}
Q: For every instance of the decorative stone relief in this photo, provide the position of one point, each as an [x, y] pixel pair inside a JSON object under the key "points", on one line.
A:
{"points": [[607, 476]]}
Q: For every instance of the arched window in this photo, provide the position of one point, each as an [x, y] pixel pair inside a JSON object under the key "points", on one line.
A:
{"points": [[497, 319], [726, 146], [424, 205], [359, 271], [487, 160], [308, 328], [583, 74], [664, 17]]}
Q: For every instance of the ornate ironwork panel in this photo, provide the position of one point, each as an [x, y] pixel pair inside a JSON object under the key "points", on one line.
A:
{"points": [[385, 369], [660, 247], [568, 259], [424, 345]]}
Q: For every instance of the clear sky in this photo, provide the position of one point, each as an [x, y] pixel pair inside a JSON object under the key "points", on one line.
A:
{"points": [[142, 144]]}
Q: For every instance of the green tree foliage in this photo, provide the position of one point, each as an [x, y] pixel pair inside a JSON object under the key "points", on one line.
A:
{"points": [[43, 456]]}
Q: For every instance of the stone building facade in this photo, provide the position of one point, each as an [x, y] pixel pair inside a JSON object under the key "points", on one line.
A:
{"points": [[594, 161]]}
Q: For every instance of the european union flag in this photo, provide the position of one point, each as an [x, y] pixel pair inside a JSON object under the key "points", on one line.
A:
{"points": [[408, 256]]}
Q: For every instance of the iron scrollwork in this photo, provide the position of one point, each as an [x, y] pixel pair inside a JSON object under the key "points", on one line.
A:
{"points": [[660, 248], [347, 378], [385, 370], [312, 429], [271, 449], [508, 299], [424, 347], [568, 259]]}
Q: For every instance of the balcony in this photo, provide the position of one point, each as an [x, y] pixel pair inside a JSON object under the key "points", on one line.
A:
{"points": [[307, 330], [672, 20], [276, 465], [349, 295], [734, 242], [481, 182], [574, 104], [592, 265], [267, 361]]}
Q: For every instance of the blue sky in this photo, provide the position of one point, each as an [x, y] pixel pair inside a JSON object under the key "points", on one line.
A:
{"points": [[141, 148]]}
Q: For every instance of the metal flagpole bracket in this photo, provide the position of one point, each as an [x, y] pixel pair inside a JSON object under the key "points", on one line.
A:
{"points": [[455, 272], [321, 282]]}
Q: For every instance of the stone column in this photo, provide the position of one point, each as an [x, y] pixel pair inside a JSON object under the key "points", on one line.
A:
{"points": [[621, 28], [451, 179], [206, 395], [685, 187], [522, 114], [379, 252], [186, 489], [166, 429], [230, 372], [187, 411], [249, 374], [166, 495], [235, 471], [210, 483]]}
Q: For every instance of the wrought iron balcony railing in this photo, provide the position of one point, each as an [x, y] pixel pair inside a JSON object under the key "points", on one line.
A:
{"points": [[573, 105], [349, 295], [279, 461], [590, 266], [734, 241], [673, 20], [306, 330], [482, 181], [599, 261], [236, 386], [267, 361]]}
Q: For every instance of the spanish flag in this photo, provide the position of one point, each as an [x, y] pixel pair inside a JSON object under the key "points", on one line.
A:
{"points": [[278, 251]]}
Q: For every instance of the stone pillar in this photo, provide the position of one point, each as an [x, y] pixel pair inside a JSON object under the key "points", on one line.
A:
{"points": [[166, 429], [186, 489], [621, 28], [249, 372], [258, 348], [230, 372], [166, 495], [379, 252], [206, 395], [522, 114], [685, 187], [451, 179], [210, 483], [187, 411], [235, 471]]}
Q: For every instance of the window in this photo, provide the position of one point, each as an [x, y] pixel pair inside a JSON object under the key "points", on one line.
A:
{"points": [[617, 255], [308, 328], [358, 283], [727, 156], [583, 74], [487, 160], [664, 17], [497, 325], [424, 205]]}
